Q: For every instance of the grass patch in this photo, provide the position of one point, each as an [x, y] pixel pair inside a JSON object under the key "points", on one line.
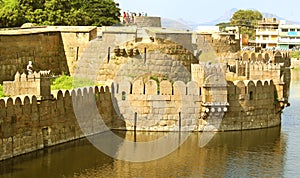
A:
{"points": [[67, 82], [295, 54], [1, 91]]}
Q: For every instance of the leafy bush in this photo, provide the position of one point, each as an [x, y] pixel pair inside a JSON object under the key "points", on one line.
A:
{"points": [[67, 82], [295, 54]]}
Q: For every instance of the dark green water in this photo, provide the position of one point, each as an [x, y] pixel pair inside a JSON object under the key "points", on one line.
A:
{"points": [[270, 152]]}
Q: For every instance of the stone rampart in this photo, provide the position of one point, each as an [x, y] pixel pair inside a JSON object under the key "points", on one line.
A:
{"points": [[260, 66], [169, 60], [148, 21], [275, 57], [217, 44], [54, 47], [162, 106], [252, 105], [30, 124], [44, 49], [37, 84]]}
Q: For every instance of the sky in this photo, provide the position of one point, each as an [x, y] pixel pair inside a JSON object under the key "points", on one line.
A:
{"points": [[201, 11]]}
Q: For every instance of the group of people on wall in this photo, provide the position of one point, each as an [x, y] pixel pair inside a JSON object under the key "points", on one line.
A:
{"points": [[130, 17]]}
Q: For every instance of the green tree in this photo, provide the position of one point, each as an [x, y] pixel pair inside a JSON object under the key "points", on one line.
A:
{"points": [[223, 25], [57, 12], [103, 12], [33, 10], [246, 20], [14, 13], [11, 14]]}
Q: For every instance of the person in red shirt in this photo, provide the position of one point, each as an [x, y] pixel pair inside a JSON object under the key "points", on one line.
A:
{"points": [[124, 17]]}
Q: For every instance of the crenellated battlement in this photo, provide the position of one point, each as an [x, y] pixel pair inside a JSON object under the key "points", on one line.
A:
{"points": [[192, 88], [60, 94], [37, 83], [42, 123], [151, 87], [252, 87], [259, 66], [274, 57]]}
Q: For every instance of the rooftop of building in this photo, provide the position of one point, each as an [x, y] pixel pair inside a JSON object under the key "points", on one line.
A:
{"points": [[289, 26], [269, 21]]}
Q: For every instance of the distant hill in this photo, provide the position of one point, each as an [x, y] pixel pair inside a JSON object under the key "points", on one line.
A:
{"points": [[176, 24], [183, 24], [224, 18]]}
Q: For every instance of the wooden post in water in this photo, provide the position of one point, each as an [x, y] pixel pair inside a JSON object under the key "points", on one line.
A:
{"points": [[179, 124], [135, 120]]}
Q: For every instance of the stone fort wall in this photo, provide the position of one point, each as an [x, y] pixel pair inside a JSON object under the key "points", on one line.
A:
{"points": [[147, 21], [45, 50], [163, 106], [218, 43], [152, 106], [260, 66], [37, 84], [252, 105], [55, 48], [28, 124], [238, 104]]}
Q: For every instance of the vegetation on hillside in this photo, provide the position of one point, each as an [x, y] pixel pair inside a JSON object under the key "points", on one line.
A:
{"points": [[14, 13], [246, 20]]}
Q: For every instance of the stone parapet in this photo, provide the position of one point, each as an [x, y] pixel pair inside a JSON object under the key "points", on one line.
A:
{"points": [[147, 21], [30, 124], [37, 84]]}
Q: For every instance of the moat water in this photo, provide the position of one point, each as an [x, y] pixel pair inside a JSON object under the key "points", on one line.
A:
{"points": [[270, 152]]}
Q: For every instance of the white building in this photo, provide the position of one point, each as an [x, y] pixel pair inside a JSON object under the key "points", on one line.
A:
{"points": [[289, 36], [208, 29], [267, 33], [271, 33]]}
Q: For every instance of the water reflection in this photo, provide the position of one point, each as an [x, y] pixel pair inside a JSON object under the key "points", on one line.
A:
{"points": [[247, 153], [291, 128]]}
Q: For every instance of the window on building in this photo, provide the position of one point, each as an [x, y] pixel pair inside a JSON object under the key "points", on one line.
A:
{"points": [[274, 37], [265, 37], [284, 30], [292, 30]]}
